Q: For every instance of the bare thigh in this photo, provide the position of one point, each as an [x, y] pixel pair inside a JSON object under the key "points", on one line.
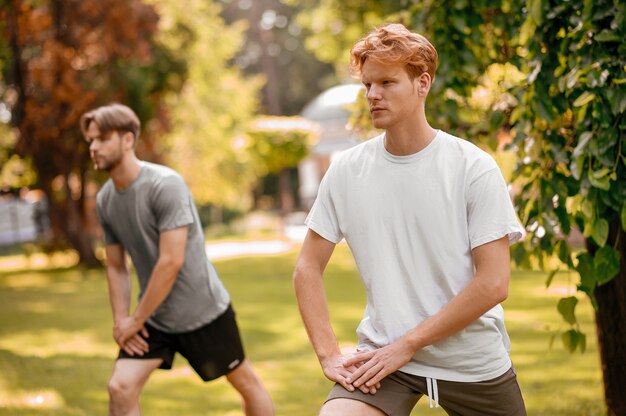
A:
{"points": [[133, 374], [243, 378], [347, 407]]}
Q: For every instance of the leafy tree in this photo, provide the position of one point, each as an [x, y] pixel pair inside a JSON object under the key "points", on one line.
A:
{"points": [[61, 58], [570, 132], [274, 48], [567, 118], [278, 144], [470, 36], [15, 172], [209, 117]]}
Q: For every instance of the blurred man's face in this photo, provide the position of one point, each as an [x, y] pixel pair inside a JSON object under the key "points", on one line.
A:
{"points": [[106, 150]]}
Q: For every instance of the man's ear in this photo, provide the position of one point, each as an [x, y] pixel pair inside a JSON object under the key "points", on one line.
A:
{"points": [[129, 139], [424, 82]]}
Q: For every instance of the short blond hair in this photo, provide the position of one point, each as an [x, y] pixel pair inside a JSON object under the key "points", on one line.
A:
{"points": [[112, 117], [394, 43]]}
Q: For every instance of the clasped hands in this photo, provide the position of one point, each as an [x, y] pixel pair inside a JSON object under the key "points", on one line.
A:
{"points": [[365, 370], [126, 333]]}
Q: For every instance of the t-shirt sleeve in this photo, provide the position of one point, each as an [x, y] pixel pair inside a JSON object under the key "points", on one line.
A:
{"points": [[109, 235], [323, 216], [490, 211], [172, 204]]}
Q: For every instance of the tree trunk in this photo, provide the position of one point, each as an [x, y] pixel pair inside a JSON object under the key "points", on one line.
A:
{"points": [[67, 221], [265, 38], [16, 70], [611, 328]]}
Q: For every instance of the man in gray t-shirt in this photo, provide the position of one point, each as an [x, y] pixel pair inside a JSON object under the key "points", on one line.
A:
{"points": [[147, 211]]}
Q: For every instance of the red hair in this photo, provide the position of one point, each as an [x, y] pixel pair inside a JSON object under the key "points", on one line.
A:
{"points": [[394, 43]]}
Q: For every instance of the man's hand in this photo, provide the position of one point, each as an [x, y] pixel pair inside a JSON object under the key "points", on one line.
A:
{"points": [[336, 369], [373, 366], [126, 334]]}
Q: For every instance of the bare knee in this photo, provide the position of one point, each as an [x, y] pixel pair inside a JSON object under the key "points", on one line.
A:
{"points": [[122, 390]]}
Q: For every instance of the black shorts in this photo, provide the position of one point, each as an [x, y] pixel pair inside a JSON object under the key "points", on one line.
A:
{"points": [[212, 350]]}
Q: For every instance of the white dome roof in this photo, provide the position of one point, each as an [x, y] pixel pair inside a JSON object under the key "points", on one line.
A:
{"points": [[331, 104], [329, 111]]}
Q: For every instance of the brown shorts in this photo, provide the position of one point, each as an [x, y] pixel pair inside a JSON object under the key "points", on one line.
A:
{"points": [[212, 350], [399, 393]]}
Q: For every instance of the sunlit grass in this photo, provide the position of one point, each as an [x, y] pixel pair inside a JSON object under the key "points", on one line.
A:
{"points": [[56, 351]]}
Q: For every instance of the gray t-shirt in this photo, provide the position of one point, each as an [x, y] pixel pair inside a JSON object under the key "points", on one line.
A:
{"points": [[158, 200]]}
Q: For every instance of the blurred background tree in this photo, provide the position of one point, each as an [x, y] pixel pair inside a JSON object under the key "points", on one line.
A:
{"points": [[61, 58], [278, 144], [274, 48], [210, 115]]}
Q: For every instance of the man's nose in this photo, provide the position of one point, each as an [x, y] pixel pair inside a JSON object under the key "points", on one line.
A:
{"points": [[93, 145], [373, 93]]}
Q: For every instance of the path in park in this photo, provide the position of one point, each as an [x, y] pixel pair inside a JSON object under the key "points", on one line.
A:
{"points": [[291, 236], [224, 249]]}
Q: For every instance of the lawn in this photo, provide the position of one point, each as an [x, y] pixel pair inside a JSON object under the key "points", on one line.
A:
{"points": [[56, 350]]}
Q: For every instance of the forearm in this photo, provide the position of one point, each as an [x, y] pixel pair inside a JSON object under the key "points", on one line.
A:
{"points": [[118, 280], [470, 304], [314, 311], [477, 298], [161, 282]]}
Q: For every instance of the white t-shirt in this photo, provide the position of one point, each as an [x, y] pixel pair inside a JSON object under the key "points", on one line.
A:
{"points": [[411, 223]]}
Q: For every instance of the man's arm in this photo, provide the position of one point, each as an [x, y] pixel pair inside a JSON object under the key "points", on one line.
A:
{"points": [[309, 286], [487, 289], [171, 257], [118, 279]]}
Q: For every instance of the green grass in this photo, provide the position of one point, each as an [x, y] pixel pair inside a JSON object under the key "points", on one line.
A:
{"points": [[56, 351]]}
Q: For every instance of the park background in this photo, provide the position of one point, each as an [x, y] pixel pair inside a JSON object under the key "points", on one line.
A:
{"points": [[250, 100]]}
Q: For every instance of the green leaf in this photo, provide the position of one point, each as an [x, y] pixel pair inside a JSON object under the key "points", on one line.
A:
{"points": [[564, 253], [551, 276], [571, 79], [607, 36], [584, 98], [526, 32], [601, 173], [583, 140], [623, 217], [577, 167], [603, 183], [544, 108], [600, 231], [570, 340], [588, 210], [606, 262], [617, 99], [535, 8], [566, 307], [586, 270]]}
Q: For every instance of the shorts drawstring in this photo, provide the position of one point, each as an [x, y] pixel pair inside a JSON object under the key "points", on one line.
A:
{"points": [[433, 392]]}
